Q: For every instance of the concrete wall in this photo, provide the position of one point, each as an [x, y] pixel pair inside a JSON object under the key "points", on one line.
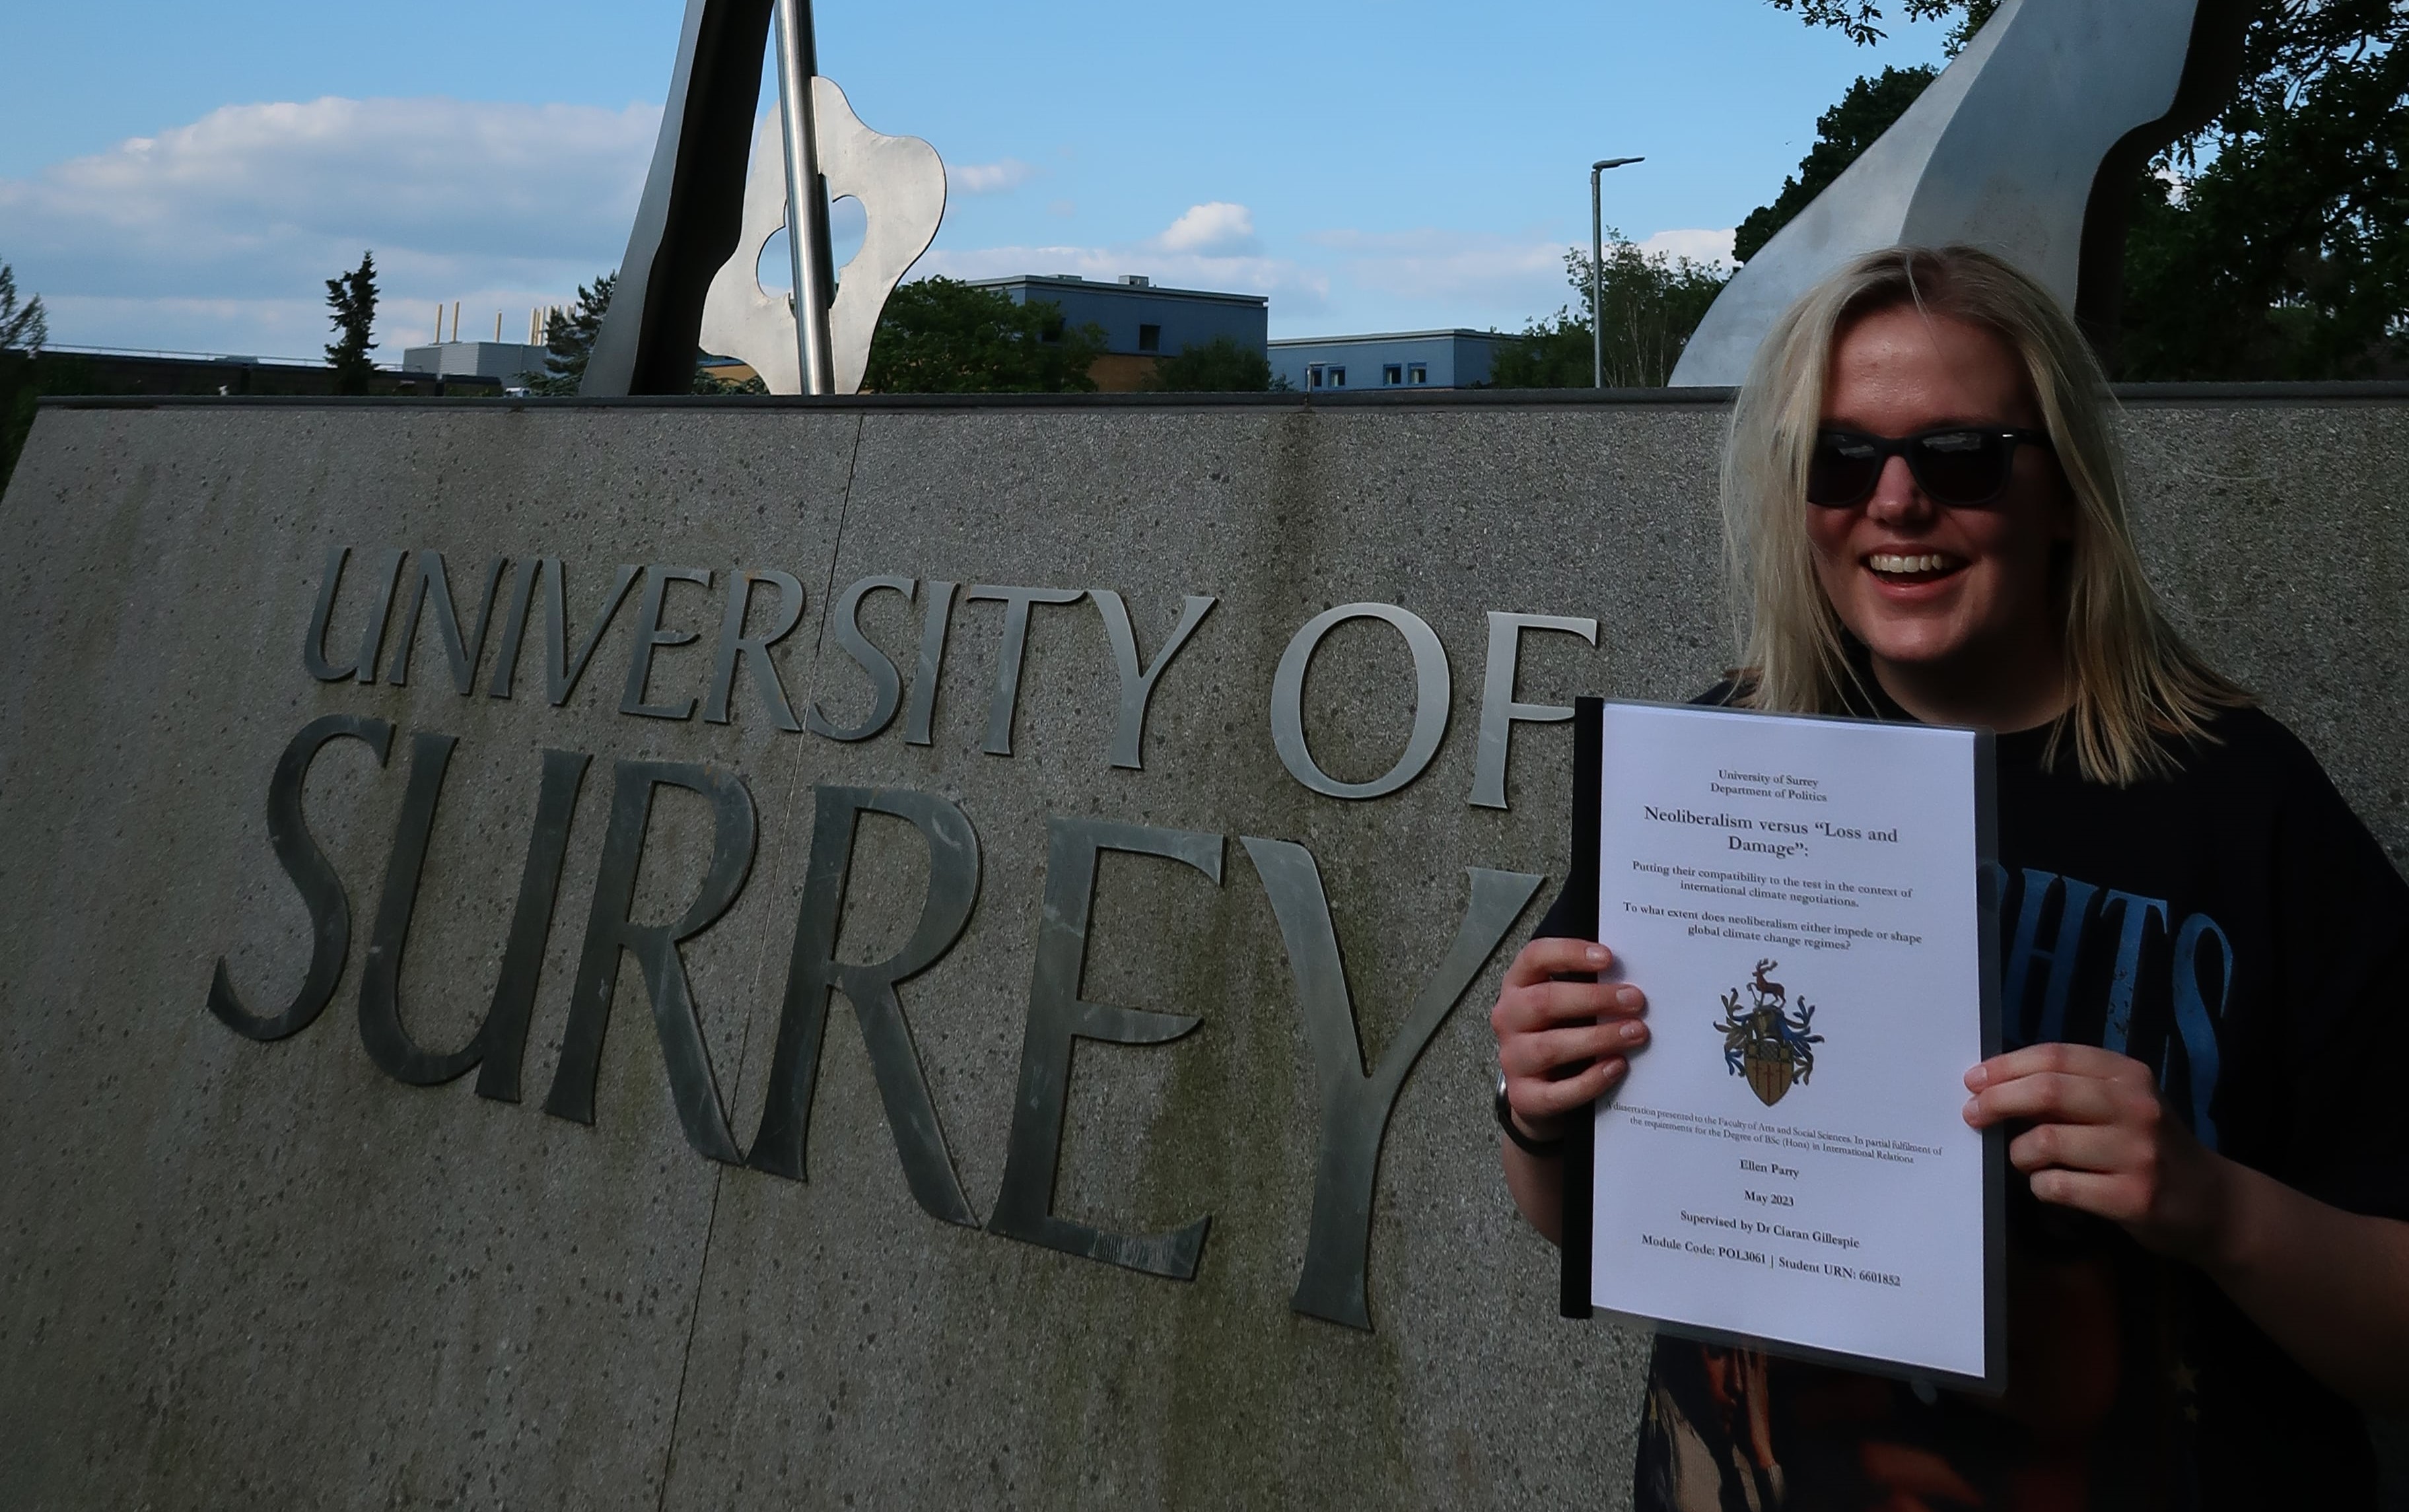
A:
{"points": [[245, 1272]]}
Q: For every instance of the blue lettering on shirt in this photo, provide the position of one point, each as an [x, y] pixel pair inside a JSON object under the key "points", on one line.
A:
{"points": [[2054, 918]]}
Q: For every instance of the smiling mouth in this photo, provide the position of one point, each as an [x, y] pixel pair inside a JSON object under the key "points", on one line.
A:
{"points": [[1911, 568]]}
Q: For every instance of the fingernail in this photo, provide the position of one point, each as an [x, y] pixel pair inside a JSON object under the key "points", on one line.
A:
{"points": [[1614, 1070], [1597, 954], [1629, 998], [1973, 1105], [1633, 1033], [1978, 1077]]}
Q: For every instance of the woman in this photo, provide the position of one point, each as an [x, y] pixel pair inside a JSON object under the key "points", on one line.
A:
{"points": [[2208, 1271]]}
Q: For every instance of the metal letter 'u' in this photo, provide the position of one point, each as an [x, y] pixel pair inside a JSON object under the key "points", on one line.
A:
{"points": [[500, 1041]]}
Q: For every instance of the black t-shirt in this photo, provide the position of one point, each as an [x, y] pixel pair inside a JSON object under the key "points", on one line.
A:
{"points": [[2236, 928]]}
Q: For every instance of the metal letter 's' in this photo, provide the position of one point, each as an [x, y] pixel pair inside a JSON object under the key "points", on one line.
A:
{"points": [[1432, 690], [1355, 1107], [813, 972], [1137, 686], [461, 653], [500, 1041], [885, 684], [313, 876], [1057, 1015], [609, 931], [649, 637], [1008, 656], [313, 650], [753, 649], [1498, 710], [937, 614]]}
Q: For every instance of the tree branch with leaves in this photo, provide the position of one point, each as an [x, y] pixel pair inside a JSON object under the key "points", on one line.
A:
{"points": [[352, 300], [23, 328]]}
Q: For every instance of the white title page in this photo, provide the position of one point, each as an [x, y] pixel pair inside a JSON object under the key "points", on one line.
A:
{"points": [[1787, 1159]]}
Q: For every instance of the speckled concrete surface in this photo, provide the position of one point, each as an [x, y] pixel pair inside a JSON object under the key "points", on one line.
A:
{"points": [[236, 1272]]}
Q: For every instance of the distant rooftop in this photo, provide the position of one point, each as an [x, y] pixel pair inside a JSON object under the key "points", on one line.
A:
{"points": [[1373, 336], [1128, 283]]}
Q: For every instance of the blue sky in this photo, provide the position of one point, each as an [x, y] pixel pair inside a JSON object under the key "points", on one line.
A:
{"points": [[186, 175]]}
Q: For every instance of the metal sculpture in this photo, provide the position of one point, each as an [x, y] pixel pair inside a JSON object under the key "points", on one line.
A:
{"points": [[2027, 145], [901, 184], [689, 277]]}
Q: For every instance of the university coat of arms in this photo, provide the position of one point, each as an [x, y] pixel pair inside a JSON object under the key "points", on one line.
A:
{"points": [[1766, 1041]]}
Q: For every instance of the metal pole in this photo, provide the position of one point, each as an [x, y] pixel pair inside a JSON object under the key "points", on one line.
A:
{"points": [[807, 228], [1598, 268]]}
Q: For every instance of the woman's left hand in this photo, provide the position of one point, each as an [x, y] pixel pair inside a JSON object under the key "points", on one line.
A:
{"points": [[2103, 1142]]}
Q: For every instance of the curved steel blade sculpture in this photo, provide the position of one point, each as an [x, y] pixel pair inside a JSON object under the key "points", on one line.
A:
{"points": [[900, 182], [702, 221], [2027, 145]]}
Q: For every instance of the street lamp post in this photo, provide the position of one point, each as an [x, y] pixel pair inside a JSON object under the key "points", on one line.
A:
{"points": [[1598, 268]]}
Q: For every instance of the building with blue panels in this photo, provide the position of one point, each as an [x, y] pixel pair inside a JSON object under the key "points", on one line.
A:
{"points": [[1390, 360], [1142, 324]]}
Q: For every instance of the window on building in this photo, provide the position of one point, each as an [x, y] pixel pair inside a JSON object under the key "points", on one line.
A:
{"points": [[1149, 339], [1337, 377], [1417, 373], [1391, 375]]}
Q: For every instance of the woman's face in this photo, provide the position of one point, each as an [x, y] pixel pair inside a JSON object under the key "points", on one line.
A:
{"points": [[1937, 591]]}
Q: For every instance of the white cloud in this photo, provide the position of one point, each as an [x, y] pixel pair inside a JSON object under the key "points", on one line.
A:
{"points": [[1215, 229], [989, 177], [220, 235], [1713, 247]]}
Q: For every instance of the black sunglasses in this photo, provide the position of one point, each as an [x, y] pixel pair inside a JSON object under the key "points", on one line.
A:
{"points": [[1957, 464]]}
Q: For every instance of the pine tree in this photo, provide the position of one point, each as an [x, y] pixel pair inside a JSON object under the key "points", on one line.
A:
{"points": [[569, 337], [353, 297], [21, 329]]}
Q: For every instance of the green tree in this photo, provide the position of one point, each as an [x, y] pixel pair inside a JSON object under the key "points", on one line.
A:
{"points": [[1221, 366], [1859, 20], [2272, 243], [569, 337], [1653, 303], [24, 329], [1842, 134], [707, 381], [941, 336], [353, 298], [1871, 105]]}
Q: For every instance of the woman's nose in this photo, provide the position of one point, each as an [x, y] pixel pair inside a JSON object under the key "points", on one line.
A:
{"points": [[1896, 497]]}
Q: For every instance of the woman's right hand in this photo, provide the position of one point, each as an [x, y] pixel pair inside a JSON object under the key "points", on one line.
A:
{"points": [[1563, 1044]]}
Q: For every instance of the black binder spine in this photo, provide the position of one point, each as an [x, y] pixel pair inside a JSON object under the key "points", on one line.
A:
{"points": [[1580, 1152]]}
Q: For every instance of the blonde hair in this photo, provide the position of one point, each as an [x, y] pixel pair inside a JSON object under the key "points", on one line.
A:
{"points": [[2135, 682]]}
